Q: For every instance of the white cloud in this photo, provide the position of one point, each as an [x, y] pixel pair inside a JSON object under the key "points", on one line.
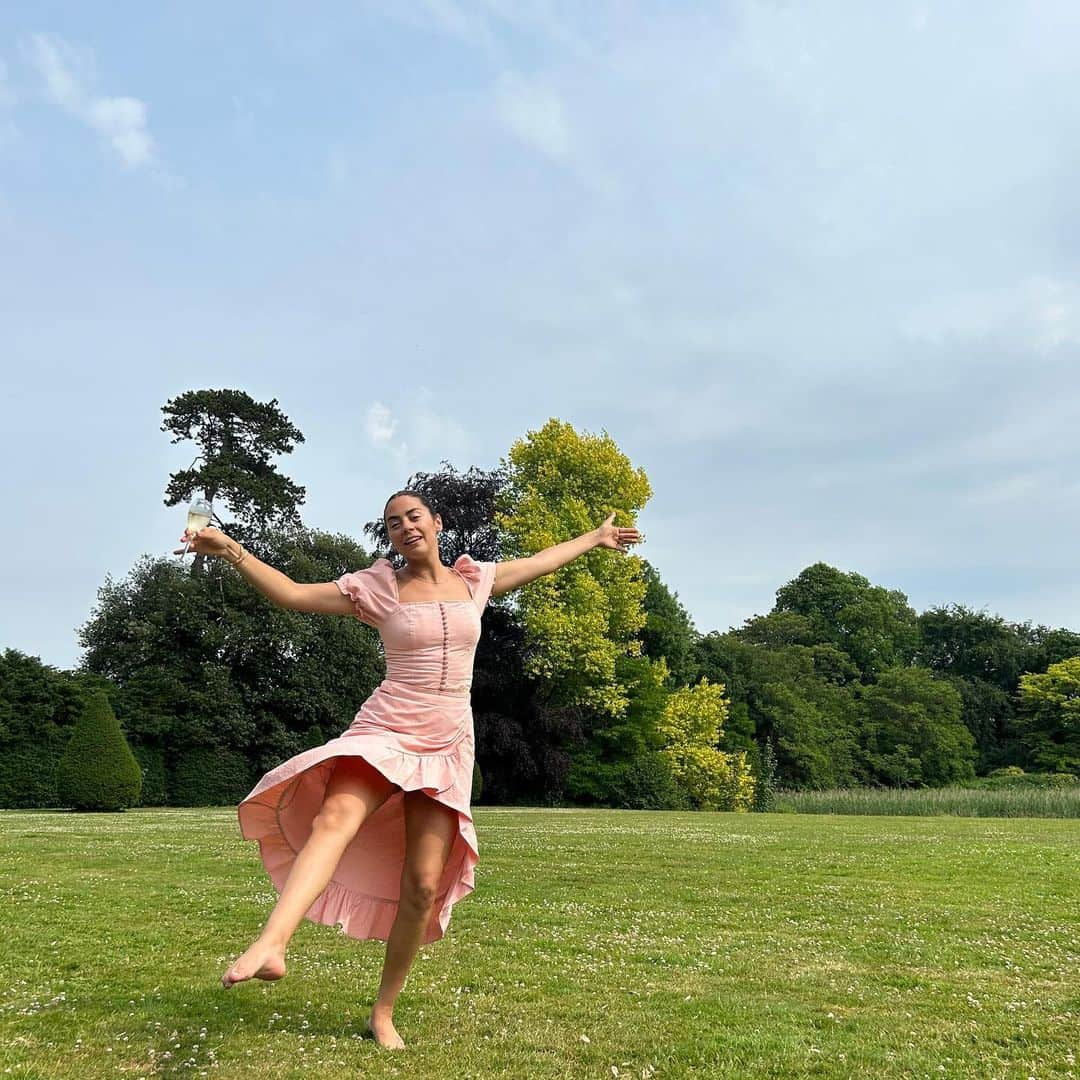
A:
{"points": [[379, 424], [1038, 311], [68, 75], [62, 67], [123, 122], [535, 115], [420, 437]]}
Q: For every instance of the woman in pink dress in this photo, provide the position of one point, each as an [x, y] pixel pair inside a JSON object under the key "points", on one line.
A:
{"points": [[374, 830]]}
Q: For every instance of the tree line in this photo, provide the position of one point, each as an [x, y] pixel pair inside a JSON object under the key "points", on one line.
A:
{"points": [[592, 686]]}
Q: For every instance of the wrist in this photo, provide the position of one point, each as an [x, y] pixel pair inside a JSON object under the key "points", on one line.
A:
{"points": [[235, 553]]}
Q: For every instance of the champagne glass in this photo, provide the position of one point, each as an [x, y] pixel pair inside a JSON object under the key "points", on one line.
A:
{"points": [[198, 517]]}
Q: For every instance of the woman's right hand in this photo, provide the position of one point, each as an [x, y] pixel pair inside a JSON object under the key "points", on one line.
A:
{"points": [[208, 541]]}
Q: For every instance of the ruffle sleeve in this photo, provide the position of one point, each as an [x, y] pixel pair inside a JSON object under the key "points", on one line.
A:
{"points": [[480, 577], [373, 591]]}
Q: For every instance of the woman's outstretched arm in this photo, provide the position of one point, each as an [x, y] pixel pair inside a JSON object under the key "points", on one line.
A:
{"points": [[514, 573], [324, 598]]}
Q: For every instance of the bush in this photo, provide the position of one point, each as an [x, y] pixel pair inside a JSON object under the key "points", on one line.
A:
{"points": [[208, 776], [763, 766], [312, 737], [1012, 777], [691, 725], [97, 770], [39, 707], [477, 784], [28, 775], [151, 761], [1059, 780], [648, 784]]}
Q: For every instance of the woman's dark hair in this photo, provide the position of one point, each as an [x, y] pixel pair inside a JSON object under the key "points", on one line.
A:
{"points": [[416, 495]]}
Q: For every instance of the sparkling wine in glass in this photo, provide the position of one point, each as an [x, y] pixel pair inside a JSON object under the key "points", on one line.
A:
{"points": [[198, 517]]}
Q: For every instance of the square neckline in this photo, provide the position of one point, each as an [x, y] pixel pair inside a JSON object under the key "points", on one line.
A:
{"points": [[411, 603]]}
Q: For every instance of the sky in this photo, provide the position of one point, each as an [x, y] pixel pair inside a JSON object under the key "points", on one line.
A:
{"points": [[814, 267]]}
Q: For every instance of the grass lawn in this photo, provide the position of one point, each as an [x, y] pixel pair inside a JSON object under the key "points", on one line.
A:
{"points": [[1021, 800], [597, 944]]}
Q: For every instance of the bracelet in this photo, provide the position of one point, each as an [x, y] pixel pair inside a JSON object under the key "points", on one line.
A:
{"points": [[243, 556]]}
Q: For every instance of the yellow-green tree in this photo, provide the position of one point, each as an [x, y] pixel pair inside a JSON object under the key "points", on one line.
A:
{"points": [[690, 727], [577, 621], [1048, 726]]}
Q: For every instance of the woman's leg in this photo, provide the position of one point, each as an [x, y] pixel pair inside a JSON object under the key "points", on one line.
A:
{"points": [[356, 790], [430, 829]]}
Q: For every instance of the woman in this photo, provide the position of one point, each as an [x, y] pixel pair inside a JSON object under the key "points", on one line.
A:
{"points": [[373, 830]]}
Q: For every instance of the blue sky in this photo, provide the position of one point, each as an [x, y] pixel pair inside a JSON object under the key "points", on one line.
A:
{"points": [[814, 266]]}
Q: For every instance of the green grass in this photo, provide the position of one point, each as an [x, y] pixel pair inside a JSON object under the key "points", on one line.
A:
{"points": [[1001, 801], [655, 944]]}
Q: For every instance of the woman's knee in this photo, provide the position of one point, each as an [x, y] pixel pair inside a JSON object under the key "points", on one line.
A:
{"points": [[420, 888], [338, 814], [356, 789]]}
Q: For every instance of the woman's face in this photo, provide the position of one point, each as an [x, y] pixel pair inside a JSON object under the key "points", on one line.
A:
{"points": [[412, 529]]}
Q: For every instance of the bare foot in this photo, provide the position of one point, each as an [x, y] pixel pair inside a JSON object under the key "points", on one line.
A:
{"points": [[381, 1026], [261, 961]]}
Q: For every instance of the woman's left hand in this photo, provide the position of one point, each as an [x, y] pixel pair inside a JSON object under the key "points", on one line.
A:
{"points": [[613, 536]]}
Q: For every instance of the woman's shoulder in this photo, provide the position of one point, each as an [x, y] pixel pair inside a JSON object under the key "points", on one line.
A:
{"points": [[373, 590], [479, 575]]}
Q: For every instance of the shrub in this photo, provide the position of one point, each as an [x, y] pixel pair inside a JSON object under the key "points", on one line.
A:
{"points": [[39, 707], [97, 770], [648, 784], [691, 725], [477, 784], [1048, 724], [208, 776], [764, 768], [1002, 779], [1059, 780], [313, 737], [151, 761], [28, 775]]}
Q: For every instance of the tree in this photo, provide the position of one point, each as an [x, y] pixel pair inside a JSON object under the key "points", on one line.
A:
{"points": [[617, 763], [690, 728], [208, 663], [914, 735], [814, 727], [668, 633], [236, 436], [876, 627], [781, 696], [97, 770], [38, 710], [985, 657], [1051, 646], [779, 629], [955, 640], [578, 620], [725, 659], [1048, 725], [989, 713]]}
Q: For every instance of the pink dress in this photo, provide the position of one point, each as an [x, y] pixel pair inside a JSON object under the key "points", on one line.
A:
{"points": [[416, 728]]}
